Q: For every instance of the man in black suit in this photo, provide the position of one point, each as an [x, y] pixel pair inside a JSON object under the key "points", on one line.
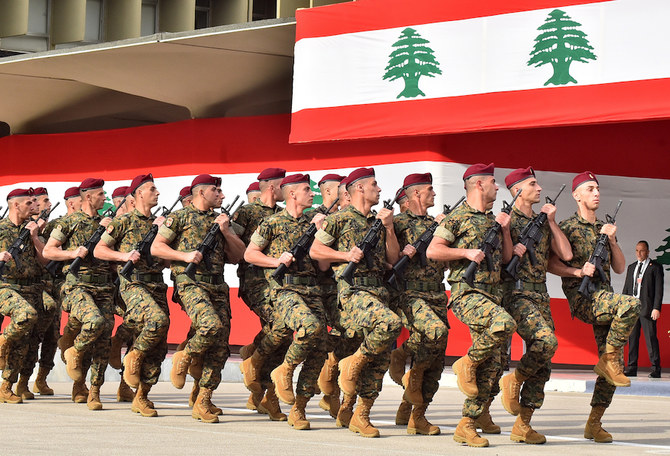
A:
{"points": [[644, 280]]}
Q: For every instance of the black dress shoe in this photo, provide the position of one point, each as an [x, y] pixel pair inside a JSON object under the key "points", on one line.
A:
{"points": [[630, 372], [655, 374]]}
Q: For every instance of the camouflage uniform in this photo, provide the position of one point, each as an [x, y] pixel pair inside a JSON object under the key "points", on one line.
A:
{"points": [[612, 315], [528, 302], [365, 313], [20, 300], [88, 298], [424, 304], [147, 312], [478, 307], [206, 299], [297, 301]]}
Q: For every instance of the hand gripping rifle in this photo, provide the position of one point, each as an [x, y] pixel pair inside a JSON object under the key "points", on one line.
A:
{"points": [[530, 236], [420, 245], [144, 246], [93, 240], [598, 257], [21, 243], [301, 248], [368, 243], [489, 245], [209, 244]]}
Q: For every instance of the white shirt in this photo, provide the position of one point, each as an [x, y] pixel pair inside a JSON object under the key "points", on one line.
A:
{"points": [[639, 265]]}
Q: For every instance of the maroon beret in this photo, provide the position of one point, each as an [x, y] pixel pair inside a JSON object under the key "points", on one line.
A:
{"points": [[586, 176], [330, 178], [19, 192], [295, 179], [358, 174], [519, 175], [271, 174], [185, 192], [120, 192], [71, 192], [253, 187], [205, 179], [344, 181], [39, 191], [139, 180], [418, 179], [479, 169], [401, 196], [90, 183]]}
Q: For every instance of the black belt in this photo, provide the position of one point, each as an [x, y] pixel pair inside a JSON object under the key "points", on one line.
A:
{"points": [[95, 278], [148, 277], [526, 286], [22, 282], [300, 280], [462, 286], [209, 278], [367, 282], [424, 286]]}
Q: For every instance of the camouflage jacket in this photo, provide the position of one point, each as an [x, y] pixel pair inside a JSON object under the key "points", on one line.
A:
{"points": [[73, 231], [185, 229], [528, 272], [249, 217], [30, 268], [408, 228], [465, 228], [125, 232]]}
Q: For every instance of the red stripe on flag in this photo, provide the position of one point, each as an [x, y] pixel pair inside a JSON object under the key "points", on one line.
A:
{"points": [[367, 15]]}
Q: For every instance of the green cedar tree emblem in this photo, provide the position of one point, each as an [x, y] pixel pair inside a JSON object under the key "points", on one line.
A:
{"points": [[664, 258], [560, 44], [410, 60]]}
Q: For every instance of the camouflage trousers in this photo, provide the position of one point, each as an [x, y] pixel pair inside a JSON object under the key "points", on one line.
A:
{"points": [[532, 313], [52, 298], [91, 306], [613, 316], [42, 331], [371, 326], [300, 319], [425, 316], [147, 316], [208, 307], [23, 305], [490, 327]]}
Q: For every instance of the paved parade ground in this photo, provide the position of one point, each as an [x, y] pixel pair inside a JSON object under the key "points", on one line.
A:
{"points": [[55, 425]]}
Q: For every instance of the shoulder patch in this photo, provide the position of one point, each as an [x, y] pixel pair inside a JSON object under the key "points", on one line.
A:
{"points": [[168, 222], [59, 228], [110, 228]]}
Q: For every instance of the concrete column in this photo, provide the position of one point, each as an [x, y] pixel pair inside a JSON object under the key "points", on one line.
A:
{"points": [[230, 12], [68, 21], [176, 15], [123, 19], [13, 17], [286, 8]]}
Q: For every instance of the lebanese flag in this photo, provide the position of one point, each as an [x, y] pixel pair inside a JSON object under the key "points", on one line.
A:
{"points": [[376, 68]]}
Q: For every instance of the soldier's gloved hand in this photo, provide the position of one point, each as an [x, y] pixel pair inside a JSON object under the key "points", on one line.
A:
{"points": [[5, 256], [159, 221], [33, 228], [475, 255], [440, 217], [609, 230], [519, 249], [133, 256], [80, 252], [355, 255], [588, 269], [386, 216], [318, 220], [224, 222], [504, 220], [409, 251], [286, 258], [550, 210], [193, 257], [105, 222]]}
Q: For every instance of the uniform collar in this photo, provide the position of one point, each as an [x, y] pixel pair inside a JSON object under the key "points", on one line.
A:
{"points": [[520, 213]]}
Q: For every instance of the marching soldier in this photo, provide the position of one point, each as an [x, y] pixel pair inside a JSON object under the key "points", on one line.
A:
{"points": [[253, 192]]}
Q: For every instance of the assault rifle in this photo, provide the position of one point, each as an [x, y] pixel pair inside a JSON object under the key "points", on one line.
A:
{"points": [[368, 243], [489, 245], [144, 246], [19, 245], [530, 236], [598, 257], [4, 213], [420, 245], [301, 248], [209, 244]]}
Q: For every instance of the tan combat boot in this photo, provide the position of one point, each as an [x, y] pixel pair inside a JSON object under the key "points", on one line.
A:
{"points": [[115, 352], [609, 366], [79, 392], [413, 381], [397, 366], [360, 422], [251, 371], [403, 413], [328, 376], [180, 364], [201, 407], [254, 400], [124, 393], [331, 403], [467, 433], [40, 386], [194, 393], [4, 350], [141, 403], [510, 386], [522, 432], [270, 405], [594, 427], [22, 388], [282, 377], [195, 369], [73, 364], [485, 422], [211, 407], [350, 370], [93, 401], [296, 416], [418, 424], [247, 350], [132, 367], [7, 395], [466, 377], [64, 342], [346, 411]]}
